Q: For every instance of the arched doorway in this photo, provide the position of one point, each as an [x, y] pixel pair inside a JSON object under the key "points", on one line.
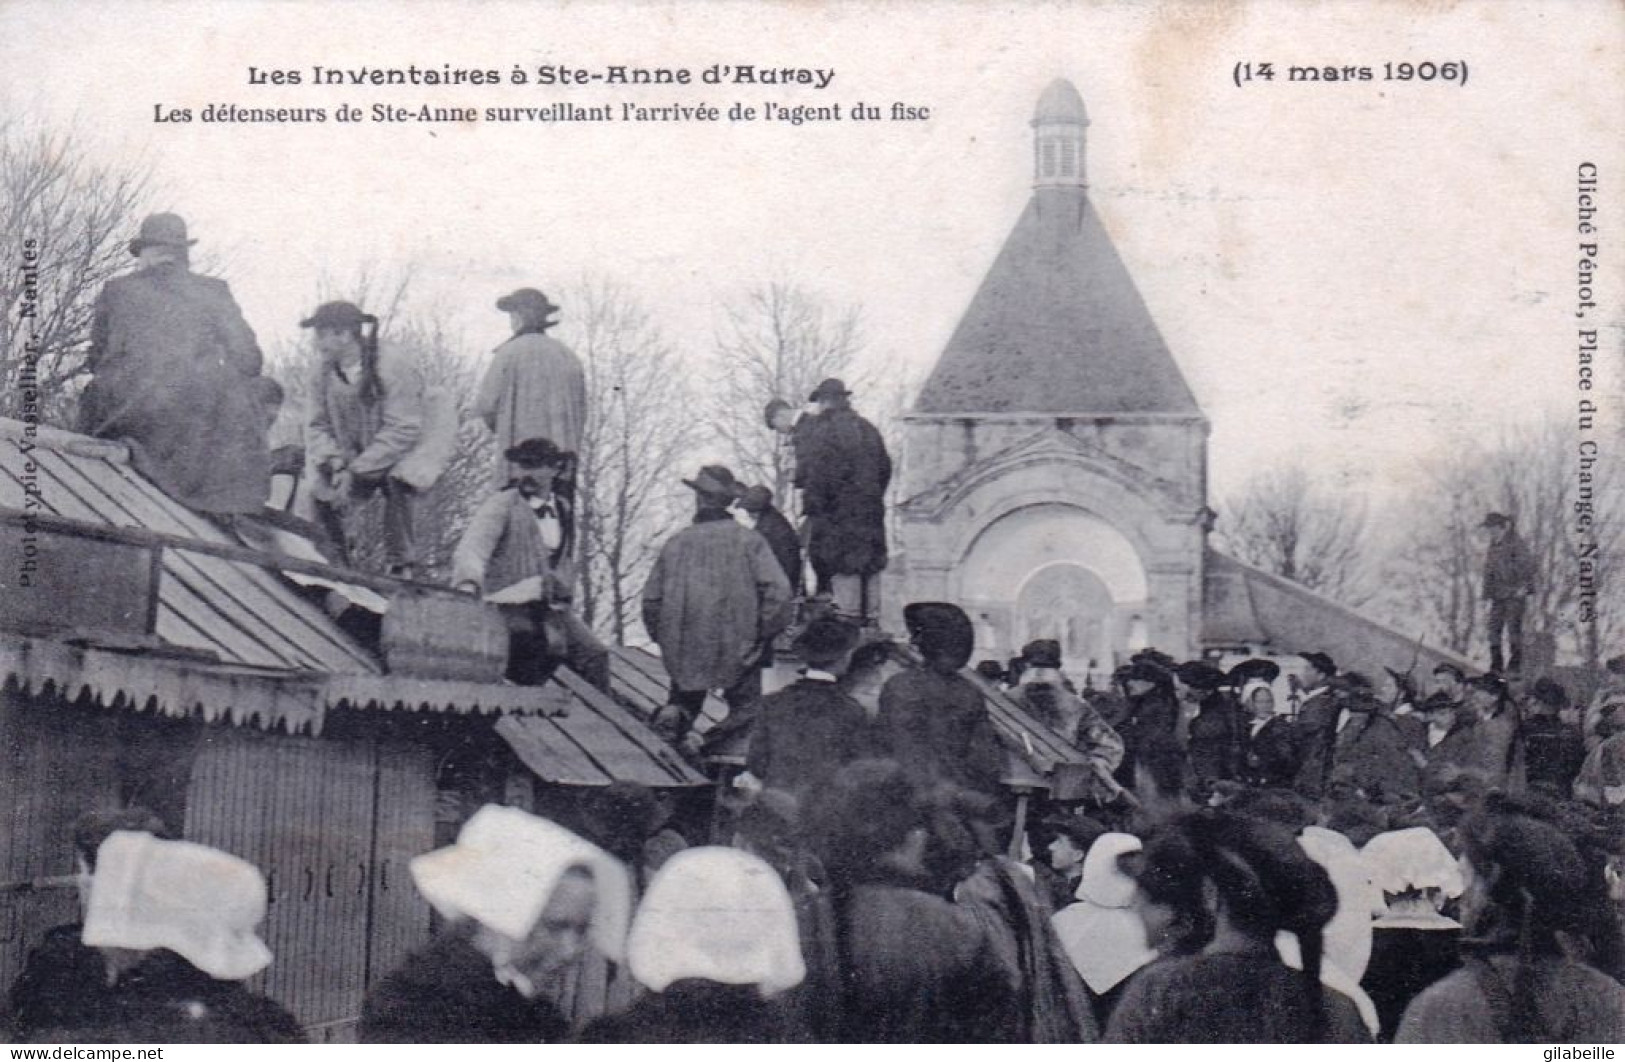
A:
{"points": [[1053, 571], [1070, 604]]}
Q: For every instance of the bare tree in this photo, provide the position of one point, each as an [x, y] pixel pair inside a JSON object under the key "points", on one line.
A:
{"points": [[66, 221], [639, 428], [1283, 523], [776, 341], [1574, 530]]}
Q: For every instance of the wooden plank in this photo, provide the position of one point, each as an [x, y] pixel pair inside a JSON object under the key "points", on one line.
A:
{"points": [[399, 918], [550, 752], [620, 727]]}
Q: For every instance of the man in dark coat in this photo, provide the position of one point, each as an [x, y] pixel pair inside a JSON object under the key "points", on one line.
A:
{"points": [[807, 731], [1152, 719], [173, 366], [1509, 579], [932, 719], [1370, 753], [1553, 749], [843, 470], [781, 535], [1316, 721], [1216, 735]]}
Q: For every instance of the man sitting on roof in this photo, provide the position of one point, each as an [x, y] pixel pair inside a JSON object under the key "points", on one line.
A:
{"points": [[173, 367], [516, 550]]}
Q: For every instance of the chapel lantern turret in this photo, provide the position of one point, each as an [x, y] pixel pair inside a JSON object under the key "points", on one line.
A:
{"points": [[1058, 137]]}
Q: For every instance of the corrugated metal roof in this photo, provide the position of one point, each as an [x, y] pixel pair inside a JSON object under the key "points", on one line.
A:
{"points": [[594, 742], [241, 613]]}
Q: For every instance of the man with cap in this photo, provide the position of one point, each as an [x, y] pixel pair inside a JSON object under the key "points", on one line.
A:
{"points": [[535, 387], [516, 551], [843, 470], [807, 731], [1509, 579], [366, 417], [715, 596], [1452, 739], [173, 367]]}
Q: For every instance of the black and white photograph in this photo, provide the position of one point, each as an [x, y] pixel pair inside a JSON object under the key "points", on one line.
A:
{"points": [[829, 522]]}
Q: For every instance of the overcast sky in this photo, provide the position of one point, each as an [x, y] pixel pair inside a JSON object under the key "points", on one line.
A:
{"points": [[1350, 274]]}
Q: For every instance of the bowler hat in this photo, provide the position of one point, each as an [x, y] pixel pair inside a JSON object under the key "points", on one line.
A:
{"points": [[161, 230], [336, 315], [825, 640], [715, 480], [1042, 653], [830, 388], [533, 453], [756, 498], [1143, 670], [1496, 520], [1448, 668], [1321, 663], [527, 300]]}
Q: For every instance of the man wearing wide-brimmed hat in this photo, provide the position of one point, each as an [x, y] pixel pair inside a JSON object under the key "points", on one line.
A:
{"points": [[173, 364], [1509, 579], [535, 387], [516, 551], [714, 597], [843, 469]]}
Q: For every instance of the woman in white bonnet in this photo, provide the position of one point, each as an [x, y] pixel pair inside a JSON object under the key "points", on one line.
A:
{"points": [[1413, 944], [715, 941], [1102, 933], [176, 923], [523, 899]]}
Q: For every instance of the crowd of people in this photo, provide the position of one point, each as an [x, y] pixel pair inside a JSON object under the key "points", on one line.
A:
{"points": [[1320, 856]]}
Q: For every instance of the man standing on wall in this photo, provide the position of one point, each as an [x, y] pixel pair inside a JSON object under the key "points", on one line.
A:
{"points": [[1509, 579]]}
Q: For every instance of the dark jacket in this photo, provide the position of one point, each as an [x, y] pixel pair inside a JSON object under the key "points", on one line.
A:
{"points": [[916, 969], [165, 999], [172, 359], [1270, 757], [804, 733], [1403, 963], [1553, 753], [447, 993], [937, 727], [1372, 755], [63, 984], [785, 543], [1228, 998], [1216, 740], [843, 470], [1509, 571], [695, 1012]]}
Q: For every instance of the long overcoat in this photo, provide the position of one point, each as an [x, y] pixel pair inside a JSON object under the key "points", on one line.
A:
{"points": [[714, 595], [843, 470], [172, 358]]}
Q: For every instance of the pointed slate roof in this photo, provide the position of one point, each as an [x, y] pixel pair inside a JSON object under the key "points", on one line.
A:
{"points": [[1057, 325]]}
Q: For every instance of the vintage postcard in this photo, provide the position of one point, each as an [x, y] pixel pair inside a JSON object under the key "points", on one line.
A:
{"points": [[1139, 335]]}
